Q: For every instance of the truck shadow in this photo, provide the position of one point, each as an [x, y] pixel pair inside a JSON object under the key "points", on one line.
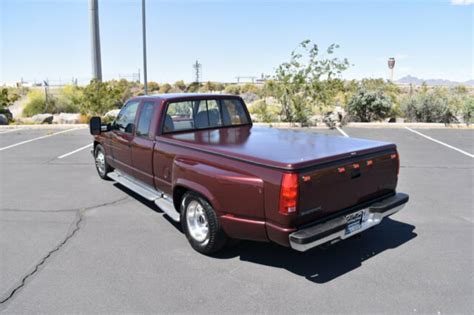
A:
{"points": [[317, 265], [323, 265]]}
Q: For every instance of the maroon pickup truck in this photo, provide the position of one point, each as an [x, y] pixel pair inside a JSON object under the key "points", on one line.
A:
{"points": [[200, 159]]}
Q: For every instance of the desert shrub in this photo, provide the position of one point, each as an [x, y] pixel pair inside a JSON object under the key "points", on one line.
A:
{"points": [[232, 89], [165, 88], [430, 106], [36, 103], [264, 112], [249, 88], [69, 99], [369, 105], [153, 86], [100, 97], [468, 111]]}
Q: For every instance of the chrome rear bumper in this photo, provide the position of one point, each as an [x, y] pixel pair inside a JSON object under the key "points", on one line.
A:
{"points": [[336, 229]]}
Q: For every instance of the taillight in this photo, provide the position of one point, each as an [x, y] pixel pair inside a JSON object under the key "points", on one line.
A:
{"points": [[288, 193], [397, 157]]}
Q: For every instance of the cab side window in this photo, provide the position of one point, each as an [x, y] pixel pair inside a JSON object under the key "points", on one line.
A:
{"points": [[144, 122], [126, 117]]}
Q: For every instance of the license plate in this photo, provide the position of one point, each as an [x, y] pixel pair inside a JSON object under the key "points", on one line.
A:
{"points": [[354, 221]]}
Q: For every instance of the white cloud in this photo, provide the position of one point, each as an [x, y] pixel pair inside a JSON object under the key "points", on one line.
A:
{"points": [[462, 2]]}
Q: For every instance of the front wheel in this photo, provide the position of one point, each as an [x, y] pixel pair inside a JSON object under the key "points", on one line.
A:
{"points": [[201, 225], [101, 163]]}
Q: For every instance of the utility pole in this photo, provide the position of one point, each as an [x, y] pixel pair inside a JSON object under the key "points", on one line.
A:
{"points": [[145, 82], [95, 40], [197, 71], [46, 89]]}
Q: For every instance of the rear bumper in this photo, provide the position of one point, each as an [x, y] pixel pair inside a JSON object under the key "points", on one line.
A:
{"points": [[336, 229]]}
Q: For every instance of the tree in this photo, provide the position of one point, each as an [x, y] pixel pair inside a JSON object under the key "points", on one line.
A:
{"points": [[299, 84], [369, 105]]}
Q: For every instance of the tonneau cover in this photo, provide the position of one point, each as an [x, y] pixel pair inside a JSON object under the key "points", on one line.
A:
{"points": [[278, 148]]}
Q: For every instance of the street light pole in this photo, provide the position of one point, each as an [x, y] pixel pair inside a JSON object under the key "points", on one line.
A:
{"points": [[145, 82], [95, 40]]}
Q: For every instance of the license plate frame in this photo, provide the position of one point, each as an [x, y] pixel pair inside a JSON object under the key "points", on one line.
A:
{"points": [[354, 222]]}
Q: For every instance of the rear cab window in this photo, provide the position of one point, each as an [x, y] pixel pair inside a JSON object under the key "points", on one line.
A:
{"points": [[204, 114]]}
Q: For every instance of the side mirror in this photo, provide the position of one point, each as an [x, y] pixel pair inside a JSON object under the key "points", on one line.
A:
{"points": [[130, 128], [95, 125]]}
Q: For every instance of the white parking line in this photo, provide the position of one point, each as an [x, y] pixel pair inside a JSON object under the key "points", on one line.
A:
{"points": [[342, 131], [440, 142], [75, 151], [39, 138], [8, 130]]}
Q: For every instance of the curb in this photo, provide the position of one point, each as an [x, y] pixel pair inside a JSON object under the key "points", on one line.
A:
{"points": [[372, 125]]}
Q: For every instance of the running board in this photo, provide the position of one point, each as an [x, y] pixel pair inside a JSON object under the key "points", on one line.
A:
{"points": [[161, 200]]}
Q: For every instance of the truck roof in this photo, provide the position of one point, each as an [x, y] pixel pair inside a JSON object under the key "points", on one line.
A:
{"points": [[185, 96]]}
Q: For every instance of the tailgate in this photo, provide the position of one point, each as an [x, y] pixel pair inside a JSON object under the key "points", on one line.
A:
{"points": [[327, 189]]}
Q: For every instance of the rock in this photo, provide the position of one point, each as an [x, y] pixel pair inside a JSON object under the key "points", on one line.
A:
{"points": [[7, 113], [3, 119], [67, 118], [43, 118]]}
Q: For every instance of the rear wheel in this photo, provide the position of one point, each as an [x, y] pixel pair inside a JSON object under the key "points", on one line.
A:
{"points": [[101, 163], [201, 225]]}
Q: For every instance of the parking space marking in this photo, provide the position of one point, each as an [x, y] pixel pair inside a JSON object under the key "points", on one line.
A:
{"points": [[342, 132], [38, 138], [75, 151], [440, 142], [9, 130]]}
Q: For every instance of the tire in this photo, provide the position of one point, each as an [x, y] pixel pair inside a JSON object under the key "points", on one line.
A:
{"points": [[201, 225], [101, 164]]}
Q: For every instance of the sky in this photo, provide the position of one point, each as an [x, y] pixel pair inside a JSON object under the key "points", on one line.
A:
{"points": [[50, 39]]}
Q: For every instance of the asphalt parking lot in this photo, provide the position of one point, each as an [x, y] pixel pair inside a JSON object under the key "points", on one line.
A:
{"points": [[70, 242]]}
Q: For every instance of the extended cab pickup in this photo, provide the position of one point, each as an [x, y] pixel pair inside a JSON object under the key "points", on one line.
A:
{"points": [[200, 159]]}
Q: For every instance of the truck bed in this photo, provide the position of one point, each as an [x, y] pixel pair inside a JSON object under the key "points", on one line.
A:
{"points": [[282, 149]]}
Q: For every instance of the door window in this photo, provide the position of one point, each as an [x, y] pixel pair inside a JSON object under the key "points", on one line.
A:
{"points": [[126, 117], [144, 122]]}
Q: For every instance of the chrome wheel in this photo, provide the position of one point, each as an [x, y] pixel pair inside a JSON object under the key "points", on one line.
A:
{"points": [[100, 162], [197, 222]]}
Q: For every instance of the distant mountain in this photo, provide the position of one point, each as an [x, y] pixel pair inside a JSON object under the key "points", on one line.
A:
{"points": [[432, 82]]}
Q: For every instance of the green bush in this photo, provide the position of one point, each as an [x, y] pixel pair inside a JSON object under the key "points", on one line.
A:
{"points": [[232, 89], [263, 111], [36, 103], [69, 100], [100, 97], [433, 106], [369, 105], [468, 111]]}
